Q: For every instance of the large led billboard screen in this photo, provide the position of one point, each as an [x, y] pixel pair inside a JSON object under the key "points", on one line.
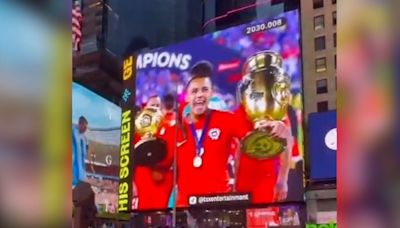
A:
{"points": [[224, 112]]}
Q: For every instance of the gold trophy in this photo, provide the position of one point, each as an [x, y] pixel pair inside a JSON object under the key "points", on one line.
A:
{"points": [[150, 150], [264, 93]]}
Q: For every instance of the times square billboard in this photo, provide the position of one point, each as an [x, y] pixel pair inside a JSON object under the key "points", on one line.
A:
{"points": [[219, 115]]}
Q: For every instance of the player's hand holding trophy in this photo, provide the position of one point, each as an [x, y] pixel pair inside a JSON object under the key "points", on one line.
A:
{"points": [[264, 93], [150, 150]]}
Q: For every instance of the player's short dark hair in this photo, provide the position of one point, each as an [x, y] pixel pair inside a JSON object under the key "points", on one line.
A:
{"points": [[169, 101], [202, 69], [82, 120]]}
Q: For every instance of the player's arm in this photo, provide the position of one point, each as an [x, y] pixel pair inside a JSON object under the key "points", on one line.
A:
{"points": [[280, 130], [240, 124], [284, 168]]}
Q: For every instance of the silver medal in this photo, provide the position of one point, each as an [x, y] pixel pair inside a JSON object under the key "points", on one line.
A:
{"points": [[197, 161]]}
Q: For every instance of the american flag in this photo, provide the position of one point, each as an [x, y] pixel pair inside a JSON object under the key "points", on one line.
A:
{"points": [[76, 25]]}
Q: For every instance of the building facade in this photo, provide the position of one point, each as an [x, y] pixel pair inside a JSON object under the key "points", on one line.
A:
{"points": [[318, 23], [318, 19]]}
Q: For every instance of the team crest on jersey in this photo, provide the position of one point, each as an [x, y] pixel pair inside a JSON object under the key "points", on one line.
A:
{"points": [[214, 133]]}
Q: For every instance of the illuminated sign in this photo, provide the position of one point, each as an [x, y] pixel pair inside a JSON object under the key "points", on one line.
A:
{"points": [[127, 122], [124, 161], [163, 60], [323, 145], [128, 69]]}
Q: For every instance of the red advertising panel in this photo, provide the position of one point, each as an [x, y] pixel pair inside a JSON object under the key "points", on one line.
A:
{"points": [[282, 216]]}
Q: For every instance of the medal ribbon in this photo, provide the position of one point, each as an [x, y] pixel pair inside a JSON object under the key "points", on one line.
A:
{"points": [[199, 142]]}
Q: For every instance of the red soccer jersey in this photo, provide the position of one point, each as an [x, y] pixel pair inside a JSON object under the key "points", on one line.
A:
{"points": [[169, 119], [152, 194], [212, 176], [255, 176]]}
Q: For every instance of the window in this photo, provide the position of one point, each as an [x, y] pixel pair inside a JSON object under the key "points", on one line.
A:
{"points": [[334, 39], [322, 106], [319, 43], [318, 4], [320, 64], [335, 83], [333, 1], [334, 18], [319, 22], [335, 61], [322, 86]]}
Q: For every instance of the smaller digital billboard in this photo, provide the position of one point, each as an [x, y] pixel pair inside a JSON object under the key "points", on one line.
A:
{"points": [[323, 145], [95, 145], [278, 216]]}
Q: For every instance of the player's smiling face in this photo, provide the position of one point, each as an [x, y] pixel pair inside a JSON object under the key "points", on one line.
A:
{"points": [[199, 94]]}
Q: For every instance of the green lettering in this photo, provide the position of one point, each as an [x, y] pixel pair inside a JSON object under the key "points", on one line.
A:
{"points": [[124, 161], [123, 189], [125, 128], [123, 172], [122, 205], [126, 117], [125, 139], [124, 149]]}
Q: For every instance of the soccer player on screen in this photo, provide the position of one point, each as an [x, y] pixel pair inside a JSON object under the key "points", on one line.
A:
{"points": [[267, 179], [154, 184], [202, 157], [80, 148], [153, 101], [169, 112]]}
